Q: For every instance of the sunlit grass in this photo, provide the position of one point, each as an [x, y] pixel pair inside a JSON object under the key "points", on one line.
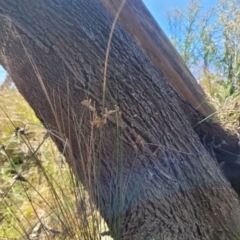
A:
{"points": [[40, 197], [226, 99]]}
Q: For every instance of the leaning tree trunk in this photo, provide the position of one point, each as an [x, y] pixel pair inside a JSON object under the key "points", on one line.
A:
{"points": [[155, 44], [153, 177]]}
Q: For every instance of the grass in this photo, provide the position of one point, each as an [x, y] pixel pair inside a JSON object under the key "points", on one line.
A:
{"points": [[40, 197], [225, 98]]}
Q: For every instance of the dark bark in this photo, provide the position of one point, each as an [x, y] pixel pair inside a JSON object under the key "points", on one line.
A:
{"points": [[150, 174], [154, 43]]}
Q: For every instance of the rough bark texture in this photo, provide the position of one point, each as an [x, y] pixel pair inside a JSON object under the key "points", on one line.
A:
{"points": [[154, 43], [156, 180]]}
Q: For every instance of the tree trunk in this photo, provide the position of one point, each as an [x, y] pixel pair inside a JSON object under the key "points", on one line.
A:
{"points": [[154, 43], [144, 166]]}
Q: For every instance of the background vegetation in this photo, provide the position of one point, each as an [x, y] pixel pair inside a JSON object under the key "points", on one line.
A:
{"points": [[39, 196], [209, 43]]}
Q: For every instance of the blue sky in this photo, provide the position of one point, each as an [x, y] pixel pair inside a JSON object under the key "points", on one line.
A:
{"points": [[157, 9], [3, 74]]}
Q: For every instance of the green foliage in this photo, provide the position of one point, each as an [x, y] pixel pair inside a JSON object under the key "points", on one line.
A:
{"points": [[191, 33], [209, 42]]}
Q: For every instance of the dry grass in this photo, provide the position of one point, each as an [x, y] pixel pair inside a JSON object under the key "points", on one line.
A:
{"points": [[40, 198], [226, 100]]}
